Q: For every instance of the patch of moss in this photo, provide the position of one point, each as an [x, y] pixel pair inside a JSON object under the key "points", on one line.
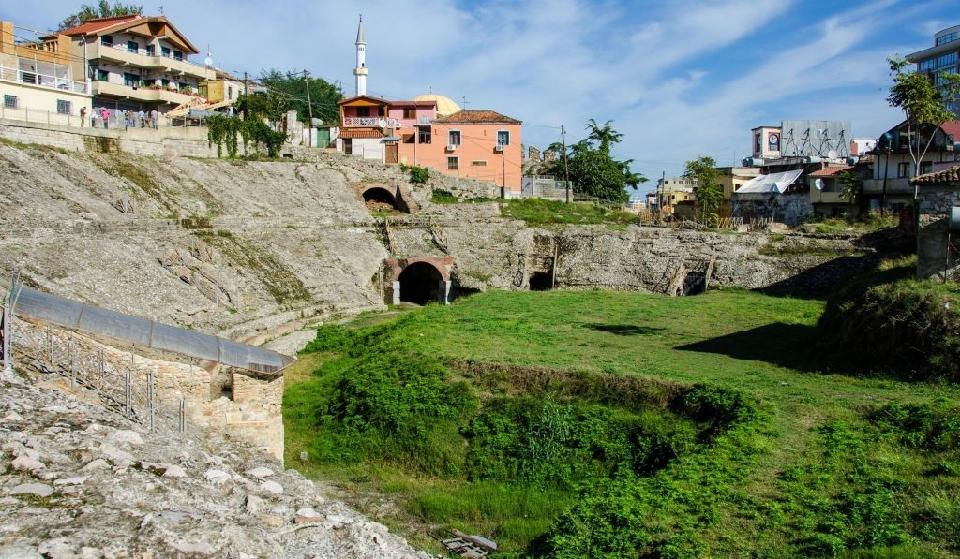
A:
{"points": [[282, 284]]}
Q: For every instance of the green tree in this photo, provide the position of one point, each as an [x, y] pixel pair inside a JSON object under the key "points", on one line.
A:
{"points": [[851, 186], [924, 104], [103, 8], [292, 87], [708, 190], [595, 174], [604, 135]]}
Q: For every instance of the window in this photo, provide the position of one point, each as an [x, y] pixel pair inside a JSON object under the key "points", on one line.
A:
{"points": [[63, 107], [503, 137], [453, 162], [133, 46], [948, 38], [348, 146], [363, 112], [903, 170], [424, 136], [103, 75], [230, 92], [151, 50], [165, 82], [926, 167], [178, 55], [10, 101], [106, 41], [479, 163], [453, 139], [130, 80], [165, 51], [409, 113]]}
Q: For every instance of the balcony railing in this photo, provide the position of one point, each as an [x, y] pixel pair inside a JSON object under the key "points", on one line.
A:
{"points": [[374, 121], [144, 52], [144, 59], [43, 80]]}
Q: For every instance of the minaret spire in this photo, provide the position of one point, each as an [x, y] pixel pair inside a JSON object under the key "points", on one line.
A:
{"points": [[360, 72]]}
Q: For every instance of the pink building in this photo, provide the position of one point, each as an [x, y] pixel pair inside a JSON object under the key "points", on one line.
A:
{"points": [[476, 144]]}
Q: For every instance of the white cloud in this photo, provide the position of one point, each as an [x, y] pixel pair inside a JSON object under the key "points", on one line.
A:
{"points": [[661, 72]]}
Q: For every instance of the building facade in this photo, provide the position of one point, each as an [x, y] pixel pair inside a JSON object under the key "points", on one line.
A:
{"points": [[40, 81], [137, 63], [889, 185], [940, 59]]}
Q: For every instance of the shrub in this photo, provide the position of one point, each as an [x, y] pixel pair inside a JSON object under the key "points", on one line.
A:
{"points": [[419, 175], [440, 196], [907, 329]]}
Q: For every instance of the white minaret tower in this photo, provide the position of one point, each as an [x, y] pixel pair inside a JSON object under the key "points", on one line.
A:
{"points": [[360, 72]]}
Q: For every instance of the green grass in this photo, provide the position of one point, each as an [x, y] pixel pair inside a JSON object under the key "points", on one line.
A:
{"points": [[537, 212], [815, 471], [870, 222]]}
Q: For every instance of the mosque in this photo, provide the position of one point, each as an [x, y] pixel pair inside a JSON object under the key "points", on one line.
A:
{"points": [[431, 131]]}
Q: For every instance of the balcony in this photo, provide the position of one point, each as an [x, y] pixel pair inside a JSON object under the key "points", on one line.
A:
{"points": [[894, 186], [143, 94], [43, 80], [371, 121], [122, 55]]}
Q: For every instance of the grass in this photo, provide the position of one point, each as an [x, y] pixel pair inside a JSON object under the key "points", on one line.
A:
{"points": [[871, 222], [536, 212], [813, 473]]}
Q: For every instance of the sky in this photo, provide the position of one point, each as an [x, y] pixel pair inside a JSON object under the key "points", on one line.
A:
{"points": [[679, 79]]}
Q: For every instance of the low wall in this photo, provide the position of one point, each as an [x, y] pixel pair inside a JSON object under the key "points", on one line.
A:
{"points": [[156, 142], [936, 255]]}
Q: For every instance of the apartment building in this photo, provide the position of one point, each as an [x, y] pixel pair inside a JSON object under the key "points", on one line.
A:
{"points": [[940, 59], [136, 62], [39, 81]]}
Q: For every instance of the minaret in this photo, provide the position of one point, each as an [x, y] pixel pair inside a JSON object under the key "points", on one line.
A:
{"points": [[360, 72]]}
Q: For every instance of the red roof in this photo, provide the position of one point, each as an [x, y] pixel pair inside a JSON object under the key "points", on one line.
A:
{"points": [[946, 176], [94, 25], [952, 127], [360, 133], [828, 172], [477, 116]]}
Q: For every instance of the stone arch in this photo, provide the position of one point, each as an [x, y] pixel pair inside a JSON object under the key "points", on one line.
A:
{"points": [[383, 196], [421, 283], [420, 280]]}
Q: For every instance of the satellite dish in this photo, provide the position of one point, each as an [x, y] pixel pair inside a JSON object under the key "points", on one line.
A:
{"points": [[832, 154]]}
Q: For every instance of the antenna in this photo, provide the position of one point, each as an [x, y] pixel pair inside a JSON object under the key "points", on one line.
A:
{"points": [[160, 8], [465, 102]]}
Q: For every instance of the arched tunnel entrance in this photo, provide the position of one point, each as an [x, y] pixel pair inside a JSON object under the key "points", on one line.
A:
{"points": [[420, 283], [381, 199]]}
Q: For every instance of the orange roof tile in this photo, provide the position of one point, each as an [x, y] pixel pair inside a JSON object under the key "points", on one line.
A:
{"points": [[828, 172], [946, 176], [477, 116], [94, 25]]}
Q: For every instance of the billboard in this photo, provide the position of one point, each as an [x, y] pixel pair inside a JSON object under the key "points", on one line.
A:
{"points": [[828, 139]]}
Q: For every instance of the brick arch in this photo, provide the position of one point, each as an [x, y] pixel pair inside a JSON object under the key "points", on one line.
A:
{"points": [[443, 264]]}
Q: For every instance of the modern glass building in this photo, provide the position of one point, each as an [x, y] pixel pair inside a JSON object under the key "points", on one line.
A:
{"points": [[941, 58]]}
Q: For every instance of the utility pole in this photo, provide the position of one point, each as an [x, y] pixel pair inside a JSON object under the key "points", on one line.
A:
{"points": [[566, 172], [661, 188], [246, 84], [306, 84]]}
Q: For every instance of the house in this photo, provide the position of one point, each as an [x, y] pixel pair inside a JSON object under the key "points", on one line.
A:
{"points": [[41, 81], [364, 125], [731, 179], [136, 62], [939, 223], [780, 197], [826, 191], [893, 166], [940, 59], [477, 144]]}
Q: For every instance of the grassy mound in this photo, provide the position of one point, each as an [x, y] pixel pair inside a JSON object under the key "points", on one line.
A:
{"points": [[611, 424], [537, 212], [904, 328]]}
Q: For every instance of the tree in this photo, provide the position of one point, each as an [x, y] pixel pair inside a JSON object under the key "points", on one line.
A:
{"points": [[924, 104], [851, 185], [603, 135], [292, 88], [103, 8], [709, 192], [595, 174]]}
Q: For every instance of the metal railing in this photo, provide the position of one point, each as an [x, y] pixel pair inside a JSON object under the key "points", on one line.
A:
{"points": [[43, 80], [38, 116], [375, 121]]}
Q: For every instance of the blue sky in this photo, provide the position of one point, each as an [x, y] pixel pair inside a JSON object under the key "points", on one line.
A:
{"points": [[679, 79]]}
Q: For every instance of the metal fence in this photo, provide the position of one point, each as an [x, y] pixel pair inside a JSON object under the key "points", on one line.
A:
{"points": [[128, 389]]}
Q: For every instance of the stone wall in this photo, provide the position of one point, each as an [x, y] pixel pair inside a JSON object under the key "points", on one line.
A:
{"points": [[161, 142], [227, 400], [937, 252]]}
